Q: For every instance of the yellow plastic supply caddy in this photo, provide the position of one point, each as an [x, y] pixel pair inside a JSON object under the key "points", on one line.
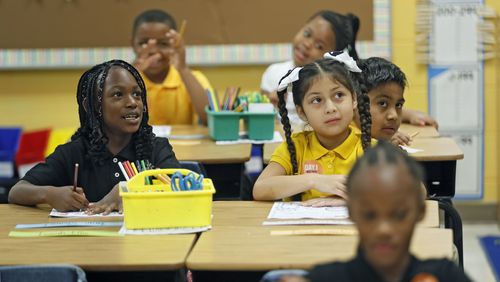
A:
{"points": [[157, 206]]}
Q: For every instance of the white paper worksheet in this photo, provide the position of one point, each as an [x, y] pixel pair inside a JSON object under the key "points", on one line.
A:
{"points": [[295, 210]]}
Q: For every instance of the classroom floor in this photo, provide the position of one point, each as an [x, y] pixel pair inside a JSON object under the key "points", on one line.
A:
{"points": [[476, 263]]}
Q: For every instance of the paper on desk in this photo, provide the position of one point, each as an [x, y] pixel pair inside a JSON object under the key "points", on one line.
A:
{"points": [[163, 231], [410, 150], [162, 130], [244, 140], [341, 221], [56, 213], [294, 210]]}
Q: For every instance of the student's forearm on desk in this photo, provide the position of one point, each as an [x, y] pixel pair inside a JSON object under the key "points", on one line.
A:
{"points": [[25, 193], [282, 186], [196, 92]]}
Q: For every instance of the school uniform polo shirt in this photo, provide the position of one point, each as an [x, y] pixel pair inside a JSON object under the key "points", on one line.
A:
{"points": [[96, 180], [169, 102], [312, 157], [358, 270]]}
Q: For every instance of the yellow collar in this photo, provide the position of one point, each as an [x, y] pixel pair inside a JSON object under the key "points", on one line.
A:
{"points": [[344, 150]]}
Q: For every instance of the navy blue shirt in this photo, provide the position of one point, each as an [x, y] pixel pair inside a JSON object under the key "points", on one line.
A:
{"points": [[96, 180], [358, 269]]}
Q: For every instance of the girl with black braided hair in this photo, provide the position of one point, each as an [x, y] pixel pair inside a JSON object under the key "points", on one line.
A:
{"points": [[113, 127], [314, 163]]}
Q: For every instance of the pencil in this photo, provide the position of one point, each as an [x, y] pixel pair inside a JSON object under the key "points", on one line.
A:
{"points": [[181, 32], [124, 172], [134, 168], [75, 177], [414, 134]]}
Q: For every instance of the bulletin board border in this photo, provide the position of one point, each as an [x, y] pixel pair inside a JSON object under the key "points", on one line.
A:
{"points": [[198, 55]]}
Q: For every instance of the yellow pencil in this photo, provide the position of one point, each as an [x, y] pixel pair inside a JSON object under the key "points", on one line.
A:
{"points": [[414, 134], [181, 32], [134, 168]]}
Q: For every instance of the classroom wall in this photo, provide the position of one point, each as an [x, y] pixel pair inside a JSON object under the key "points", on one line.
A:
{"points": [[51, 93], [404, 55]]}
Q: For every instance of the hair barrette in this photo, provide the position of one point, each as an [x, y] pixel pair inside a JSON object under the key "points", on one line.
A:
{"points": [[343, 57], [289, 79]]}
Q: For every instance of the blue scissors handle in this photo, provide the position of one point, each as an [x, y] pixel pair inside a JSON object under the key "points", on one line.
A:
{"points": [[186, 183]]}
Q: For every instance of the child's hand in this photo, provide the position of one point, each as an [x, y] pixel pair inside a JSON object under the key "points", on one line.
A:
{"points": [[65, 199], [177, 50], [331, 184], [401, 138], [110, 202], [145, 57], [421, 119], [334, 201]]}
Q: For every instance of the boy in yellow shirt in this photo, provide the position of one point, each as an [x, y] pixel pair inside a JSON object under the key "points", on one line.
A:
{"points": [[176, 94]]}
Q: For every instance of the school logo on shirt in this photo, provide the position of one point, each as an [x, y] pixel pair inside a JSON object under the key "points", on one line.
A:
{"points": [[312, 166]]}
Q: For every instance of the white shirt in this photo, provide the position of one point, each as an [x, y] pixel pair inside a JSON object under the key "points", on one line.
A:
{"points": [[269, 83]]}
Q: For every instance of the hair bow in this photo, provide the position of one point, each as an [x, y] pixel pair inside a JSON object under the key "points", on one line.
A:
{"points": [[289, 79], [343, 57]]}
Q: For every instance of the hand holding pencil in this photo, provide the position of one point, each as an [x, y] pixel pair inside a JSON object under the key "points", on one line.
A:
{"points": [[177, 49]]}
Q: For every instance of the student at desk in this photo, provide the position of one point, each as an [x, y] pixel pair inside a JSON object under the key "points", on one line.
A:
{"points": [[384, 83], [325, 31], [386, 203], [113, 127], [176, 94], [314, 163]]}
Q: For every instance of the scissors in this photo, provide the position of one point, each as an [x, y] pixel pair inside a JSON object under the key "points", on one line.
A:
{"points": [[189, 182]]}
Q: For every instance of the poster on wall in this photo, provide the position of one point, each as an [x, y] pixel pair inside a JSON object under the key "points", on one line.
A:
{"points": [[455, 96], [469, 178], [454, 37]]}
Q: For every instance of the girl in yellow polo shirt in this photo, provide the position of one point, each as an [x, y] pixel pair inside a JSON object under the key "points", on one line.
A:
{"points": [[314, 163]]}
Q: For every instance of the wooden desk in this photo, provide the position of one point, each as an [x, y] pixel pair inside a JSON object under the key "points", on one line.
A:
{"points": [[439, 159], [239, 242], [224, 163], [137, 253], [436, 149], [205, 150], [423, 131]]}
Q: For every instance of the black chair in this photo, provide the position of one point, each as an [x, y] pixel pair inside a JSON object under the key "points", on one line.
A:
{"points": [[194, 166], [452, 220], [42, 273]]}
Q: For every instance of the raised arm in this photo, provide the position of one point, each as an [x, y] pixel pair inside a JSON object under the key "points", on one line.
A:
{"points": [[195, 89]]}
